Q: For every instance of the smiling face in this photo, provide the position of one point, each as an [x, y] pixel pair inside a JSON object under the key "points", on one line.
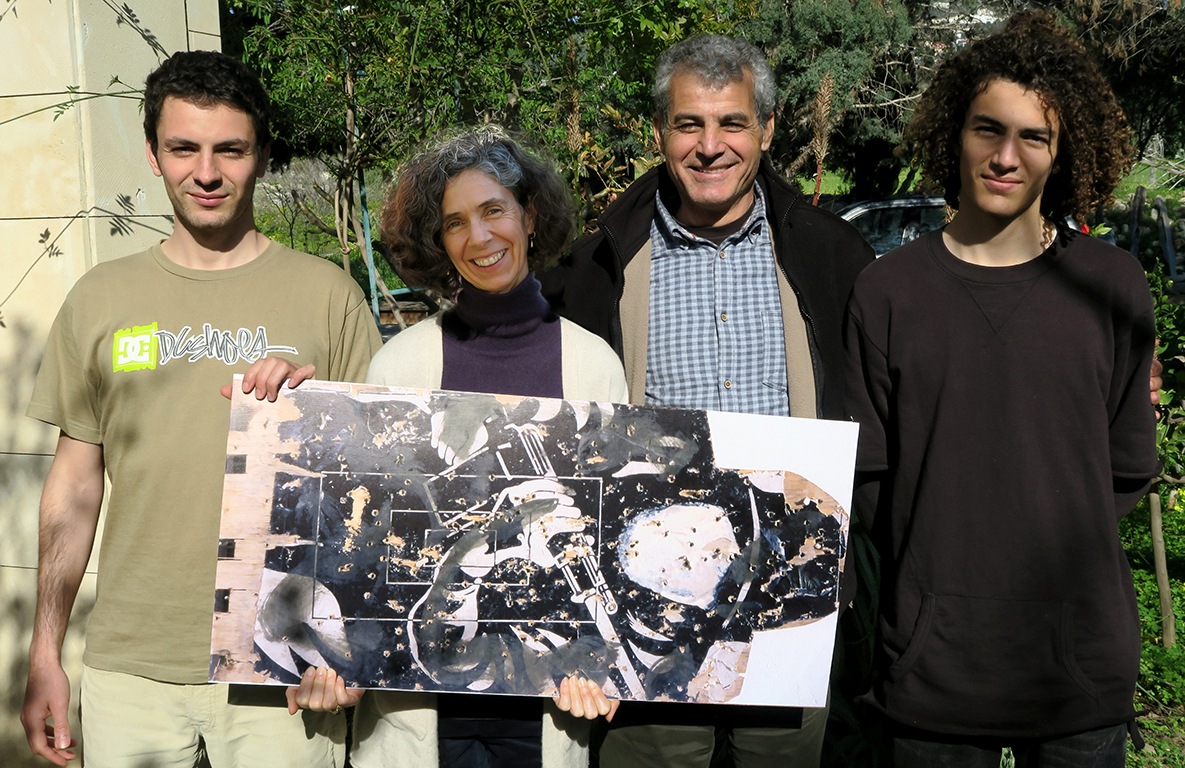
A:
{"points": [[485, 232], [1008, 151], [712, 141], [209, 162]]}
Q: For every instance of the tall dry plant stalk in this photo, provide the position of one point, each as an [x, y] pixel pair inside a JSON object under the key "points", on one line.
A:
{"points": [[821, 123], [574, 139]]}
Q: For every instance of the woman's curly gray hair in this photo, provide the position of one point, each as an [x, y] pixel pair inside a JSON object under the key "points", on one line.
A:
{"points": [[411, 216]]}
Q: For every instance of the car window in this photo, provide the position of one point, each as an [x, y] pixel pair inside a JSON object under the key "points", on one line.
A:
{"points": [[881, 228], [887, 228], [921, 220]]}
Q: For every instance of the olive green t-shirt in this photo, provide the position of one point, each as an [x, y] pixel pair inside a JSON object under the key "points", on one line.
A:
{"points": [[134, 362]]}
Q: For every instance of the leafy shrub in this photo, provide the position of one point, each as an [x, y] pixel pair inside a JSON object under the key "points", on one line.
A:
{"points": [[1135, 531], [1162, 674]]}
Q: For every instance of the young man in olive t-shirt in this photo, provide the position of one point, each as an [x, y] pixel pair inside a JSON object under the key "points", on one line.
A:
{"points": [[131, 376], [998, 373]]}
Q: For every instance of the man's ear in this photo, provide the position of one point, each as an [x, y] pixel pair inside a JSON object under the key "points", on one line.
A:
{"points": [[152, 163], [767, 133], [656, 124]]}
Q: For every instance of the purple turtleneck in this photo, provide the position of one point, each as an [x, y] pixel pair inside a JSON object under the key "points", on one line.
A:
{"points": [[503, 343]]}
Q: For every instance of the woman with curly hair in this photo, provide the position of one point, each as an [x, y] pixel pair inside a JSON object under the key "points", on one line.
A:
{"points": [[997, 370], [470, 219]]}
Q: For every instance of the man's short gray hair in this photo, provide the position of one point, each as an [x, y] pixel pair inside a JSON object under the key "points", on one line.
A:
{"points": [[717, 61]]}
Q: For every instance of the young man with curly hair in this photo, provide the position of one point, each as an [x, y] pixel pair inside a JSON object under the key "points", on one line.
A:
{"points": [[998, 370]]}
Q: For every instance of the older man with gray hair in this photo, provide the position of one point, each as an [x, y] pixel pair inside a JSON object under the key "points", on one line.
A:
{"points": [[721, 288]]}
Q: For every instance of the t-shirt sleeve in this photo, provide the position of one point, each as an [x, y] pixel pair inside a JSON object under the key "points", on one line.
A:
{"points": [[1133, 420], [65, 394], [357, 342]]}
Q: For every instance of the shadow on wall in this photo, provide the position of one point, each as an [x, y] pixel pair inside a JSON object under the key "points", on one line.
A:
{"points": [[21, 477], [26, 452], [121, 224], [22, 474], [16, 375]]}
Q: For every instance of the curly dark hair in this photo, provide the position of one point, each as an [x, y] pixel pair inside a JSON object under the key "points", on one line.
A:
{"points": [[411, 217], [1094, 148], [207, 78]]}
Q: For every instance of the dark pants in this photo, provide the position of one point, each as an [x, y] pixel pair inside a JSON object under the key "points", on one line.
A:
{"points": [[471, 737], [1102, 748], [667, 745], [490, 752]]}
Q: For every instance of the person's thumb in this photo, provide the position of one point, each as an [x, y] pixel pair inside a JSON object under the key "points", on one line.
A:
{"points": [[61, 727]]}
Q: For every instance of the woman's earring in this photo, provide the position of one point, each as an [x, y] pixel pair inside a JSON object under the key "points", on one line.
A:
{"points": [[531, 241]]}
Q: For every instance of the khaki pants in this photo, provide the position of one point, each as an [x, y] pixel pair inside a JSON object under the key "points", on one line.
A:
{"points": [[134, 722]]}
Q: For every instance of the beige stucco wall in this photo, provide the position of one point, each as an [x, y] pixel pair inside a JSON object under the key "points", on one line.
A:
{"points": [[76, 191]]}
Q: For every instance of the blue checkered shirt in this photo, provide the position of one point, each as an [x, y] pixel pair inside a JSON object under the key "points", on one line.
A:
{"points": [[716, 340]]}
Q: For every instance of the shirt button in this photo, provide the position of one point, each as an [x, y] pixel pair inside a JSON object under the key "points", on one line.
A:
{"points": [[727, 384], [724, 317], [721, 253]]}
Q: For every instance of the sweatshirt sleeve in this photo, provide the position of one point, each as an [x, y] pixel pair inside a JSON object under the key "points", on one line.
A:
{"points": [[867, 402], [868, 387], [1133, 421]]}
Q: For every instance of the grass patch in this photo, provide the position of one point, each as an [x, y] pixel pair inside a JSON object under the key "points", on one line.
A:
{"points": [[833, 184], [1141, 176]]}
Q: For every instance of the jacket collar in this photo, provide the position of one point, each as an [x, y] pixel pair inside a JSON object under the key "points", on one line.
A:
{"points": [[780, 195], [627, 221]]}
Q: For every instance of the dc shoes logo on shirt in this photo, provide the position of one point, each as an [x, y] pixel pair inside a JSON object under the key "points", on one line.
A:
{"points": [[144, 347], [134, 349]]}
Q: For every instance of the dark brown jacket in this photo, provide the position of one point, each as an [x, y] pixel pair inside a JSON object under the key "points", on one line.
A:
{"points": [[818, 253]]}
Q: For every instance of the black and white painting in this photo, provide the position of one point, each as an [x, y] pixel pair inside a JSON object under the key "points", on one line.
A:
{"points": [[446, 541]]}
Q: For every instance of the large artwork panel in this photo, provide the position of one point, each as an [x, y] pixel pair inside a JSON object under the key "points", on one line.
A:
{"points": [[445, 541]]}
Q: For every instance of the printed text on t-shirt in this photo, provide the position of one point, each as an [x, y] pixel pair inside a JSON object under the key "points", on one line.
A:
{"points": [[145, 346]]}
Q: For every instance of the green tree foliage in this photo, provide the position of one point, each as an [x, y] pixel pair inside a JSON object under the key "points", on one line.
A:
{"points": [[335, 78], [866, 47], [1140, 45], [405, 71]]}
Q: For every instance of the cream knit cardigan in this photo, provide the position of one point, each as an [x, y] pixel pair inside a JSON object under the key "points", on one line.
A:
{"points": [[394, 729]]}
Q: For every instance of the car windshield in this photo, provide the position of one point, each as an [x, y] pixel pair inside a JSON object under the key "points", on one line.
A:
{"points": [[887, 228]]}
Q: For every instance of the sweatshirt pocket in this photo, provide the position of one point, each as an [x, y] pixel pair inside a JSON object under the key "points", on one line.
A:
{"points": [[1001, 658]]}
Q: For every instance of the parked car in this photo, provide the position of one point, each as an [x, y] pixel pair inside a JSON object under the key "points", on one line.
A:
{"points": [[890, 222]]}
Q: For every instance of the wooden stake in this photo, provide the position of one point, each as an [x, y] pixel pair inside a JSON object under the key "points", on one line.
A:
{"points": [[1168, 622]]}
